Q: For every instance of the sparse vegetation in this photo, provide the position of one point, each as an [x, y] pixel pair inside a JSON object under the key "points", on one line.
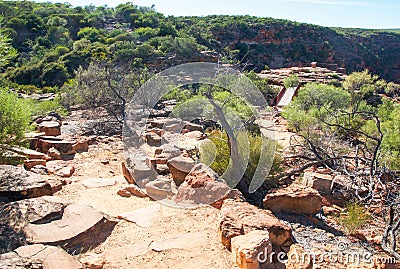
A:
{"points": [[14, 120], [355, 218]]}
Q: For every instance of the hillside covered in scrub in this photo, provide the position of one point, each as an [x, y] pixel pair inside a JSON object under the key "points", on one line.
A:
{"points": [[53, 40]]}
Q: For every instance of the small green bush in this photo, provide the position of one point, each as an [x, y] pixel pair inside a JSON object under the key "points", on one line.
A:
{"points": [[356, 217], [14, 120], [219, 149], [291, 81]]}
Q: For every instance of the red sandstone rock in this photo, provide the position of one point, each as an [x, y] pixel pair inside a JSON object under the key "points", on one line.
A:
{"points": [[239, 218], [294, 199], [179, 168]]}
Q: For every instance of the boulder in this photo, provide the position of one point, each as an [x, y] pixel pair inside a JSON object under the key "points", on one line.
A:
{"points": [[17, 184], [295, 198], [197, 135], [168, 152], [29, 164], [136, 171], [162, 123], [194, 127], [202, 186], [60, 168], [54, 154], [180, 167], [239, 218], [318, 181], [50, 128], [298, 258], [162, 169], [78, 229], [334, 210], [40, 169], [159, 189], [249, 249], [82, 145], [127, 174], [136, 191], [159, 132], [174, 127], [152, 139], [124, 193], [66, 171], [63, 146]]}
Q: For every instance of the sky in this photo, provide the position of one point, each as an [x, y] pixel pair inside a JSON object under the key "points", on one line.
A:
{"points": [[382, 14]]}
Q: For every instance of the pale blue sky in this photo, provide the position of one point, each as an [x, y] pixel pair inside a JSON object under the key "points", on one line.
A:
{"points": [[341, 13]]}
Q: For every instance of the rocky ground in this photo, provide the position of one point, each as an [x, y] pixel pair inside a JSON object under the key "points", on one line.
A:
{"points": [[305, 75], [101, 216]]}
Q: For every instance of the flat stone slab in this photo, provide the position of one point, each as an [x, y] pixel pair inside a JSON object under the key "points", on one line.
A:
{"points": [[16, 215], [75, 220], [17, 184], [50, 128], [63, 146], [143, 217], [188, 241], [50, 257], [79, 229], [98, 182], [29, 153]]}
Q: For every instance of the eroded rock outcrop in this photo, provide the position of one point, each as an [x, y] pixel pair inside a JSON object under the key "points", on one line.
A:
{"points": [[202, 186], [79, 229], [17, 184], [180, 167], [295, 198], [239, 218], [249, 249], [48, 220]]}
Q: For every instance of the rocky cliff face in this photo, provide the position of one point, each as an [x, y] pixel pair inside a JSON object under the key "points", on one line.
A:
{"points": [[291, 44]]}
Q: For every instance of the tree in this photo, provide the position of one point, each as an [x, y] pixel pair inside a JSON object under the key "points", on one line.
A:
{"points": [[338, 130], [54, 74], [363, 86], [107, 85], [7, 52], [235, 112]]}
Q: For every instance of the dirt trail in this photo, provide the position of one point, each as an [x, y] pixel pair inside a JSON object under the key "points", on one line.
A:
{"points": [[181, 238]]}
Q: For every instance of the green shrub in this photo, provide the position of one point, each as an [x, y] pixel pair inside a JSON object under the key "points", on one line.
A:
{"points": [[313, 103], [216, 154], [41, 108], [355, 219], [14, 120], [291, 81]]}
